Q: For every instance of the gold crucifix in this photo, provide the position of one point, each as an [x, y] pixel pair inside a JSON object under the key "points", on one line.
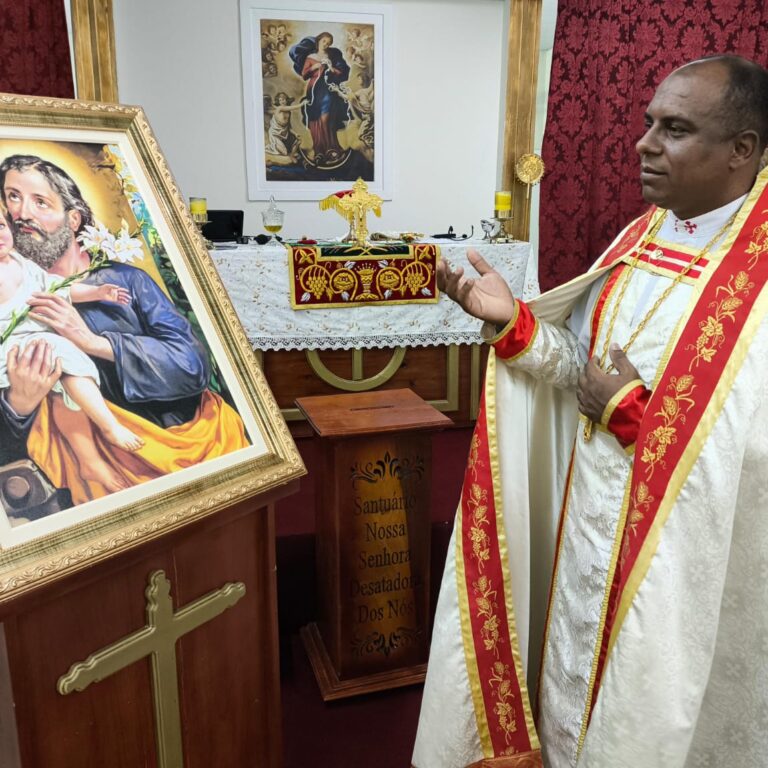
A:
{"points": [[158, 638], [354, 206]]}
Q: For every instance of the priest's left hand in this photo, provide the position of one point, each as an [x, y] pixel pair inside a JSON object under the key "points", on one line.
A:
{"points": [[596, 387]]}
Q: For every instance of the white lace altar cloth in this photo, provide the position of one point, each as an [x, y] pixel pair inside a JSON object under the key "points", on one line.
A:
{"points": [[256, 278]]}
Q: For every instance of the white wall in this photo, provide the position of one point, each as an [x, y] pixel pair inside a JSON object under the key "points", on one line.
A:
{"points": [[180, 60]]}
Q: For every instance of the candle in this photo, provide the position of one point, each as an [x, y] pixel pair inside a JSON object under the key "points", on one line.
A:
{"points": [[198, 205], [503, 201]]}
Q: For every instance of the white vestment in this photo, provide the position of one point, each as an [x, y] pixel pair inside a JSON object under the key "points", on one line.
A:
{"points": [[686, 682]]}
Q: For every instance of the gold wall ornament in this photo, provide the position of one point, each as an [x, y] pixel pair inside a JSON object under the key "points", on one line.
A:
{"points": [[354, 206], [158, 639], [529, 169]]}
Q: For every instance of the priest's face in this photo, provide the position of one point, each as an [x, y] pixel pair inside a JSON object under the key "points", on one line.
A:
{"points": [[685, 153], [43, 229]]}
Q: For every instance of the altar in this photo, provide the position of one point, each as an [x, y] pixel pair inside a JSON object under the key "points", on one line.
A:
{"points": [[434, 349]]}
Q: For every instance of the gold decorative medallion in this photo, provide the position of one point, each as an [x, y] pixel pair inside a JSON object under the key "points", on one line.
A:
{"points": [[529, 169]]}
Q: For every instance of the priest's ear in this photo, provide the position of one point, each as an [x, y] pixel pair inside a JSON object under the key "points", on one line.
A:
{"points": [[746, 149]]}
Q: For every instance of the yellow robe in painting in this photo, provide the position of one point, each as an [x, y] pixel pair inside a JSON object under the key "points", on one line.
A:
{"points": [[215, 431]]}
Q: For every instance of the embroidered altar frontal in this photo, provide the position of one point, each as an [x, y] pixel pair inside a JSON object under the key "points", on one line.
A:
{"points": [[335, 275]]}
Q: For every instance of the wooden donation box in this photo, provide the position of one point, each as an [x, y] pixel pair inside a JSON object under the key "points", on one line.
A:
{"points": [[373, 539]]}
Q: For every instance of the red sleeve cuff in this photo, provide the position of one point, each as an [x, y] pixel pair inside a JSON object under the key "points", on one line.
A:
{"points": [[516, 337], [625, 410]]}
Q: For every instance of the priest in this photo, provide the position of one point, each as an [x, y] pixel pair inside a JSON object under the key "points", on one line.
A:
{"points": [[604, 599]]}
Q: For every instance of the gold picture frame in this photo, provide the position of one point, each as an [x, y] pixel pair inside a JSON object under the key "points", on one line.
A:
{"points": [[235, 445]]}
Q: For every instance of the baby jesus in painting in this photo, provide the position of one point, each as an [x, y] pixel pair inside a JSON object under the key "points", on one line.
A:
{"points": [[79, 382]]}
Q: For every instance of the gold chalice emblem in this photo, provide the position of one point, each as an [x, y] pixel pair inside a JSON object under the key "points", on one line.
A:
{"points": [[366, 278]]}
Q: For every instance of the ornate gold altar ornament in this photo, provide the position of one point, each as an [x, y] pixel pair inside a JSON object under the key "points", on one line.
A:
{"points": [[529, 169], [354, 206]]}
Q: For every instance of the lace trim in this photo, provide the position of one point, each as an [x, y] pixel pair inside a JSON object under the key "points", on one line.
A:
{"points": [[277, 343]]}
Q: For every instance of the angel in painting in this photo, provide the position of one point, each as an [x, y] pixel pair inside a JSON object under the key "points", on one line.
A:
{"points": [[282, 144]]}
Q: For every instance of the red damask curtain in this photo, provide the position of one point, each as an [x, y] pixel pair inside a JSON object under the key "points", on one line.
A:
{"points": [[34, 48], [608, 58]]}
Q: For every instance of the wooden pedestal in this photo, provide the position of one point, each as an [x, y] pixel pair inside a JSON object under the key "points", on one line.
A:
{"points": [[226, 695], [373, 529]]}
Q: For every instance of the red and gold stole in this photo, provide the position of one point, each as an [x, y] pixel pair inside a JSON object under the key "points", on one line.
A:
{"points": [[491, 648], [687, 398], [631, 239]]}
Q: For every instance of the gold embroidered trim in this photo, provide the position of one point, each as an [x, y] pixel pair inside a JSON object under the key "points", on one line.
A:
{"points": [[514, 642], [617, 398], [508, 327], [473, 673], [501, 684], [674, 407], [759, 245], [519, 760], [712, 331], [638, 509], [481, 541]]}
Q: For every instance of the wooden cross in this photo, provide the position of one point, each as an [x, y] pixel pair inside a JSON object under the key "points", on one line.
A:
{"points": [[158, 638]]}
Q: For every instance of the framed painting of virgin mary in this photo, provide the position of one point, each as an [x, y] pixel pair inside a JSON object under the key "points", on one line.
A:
{"points": [[317, 97], [130, 400]]}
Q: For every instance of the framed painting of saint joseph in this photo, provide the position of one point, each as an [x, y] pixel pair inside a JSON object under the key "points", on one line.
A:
{"points": [[130, 400]]}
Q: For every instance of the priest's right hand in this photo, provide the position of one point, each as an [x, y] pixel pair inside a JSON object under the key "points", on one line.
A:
{"points": [[486, 297]]}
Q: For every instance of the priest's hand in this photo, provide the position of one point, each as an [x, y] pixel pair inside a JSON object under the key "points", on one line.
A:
{"points": [[486, 297], [596, 387]]}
